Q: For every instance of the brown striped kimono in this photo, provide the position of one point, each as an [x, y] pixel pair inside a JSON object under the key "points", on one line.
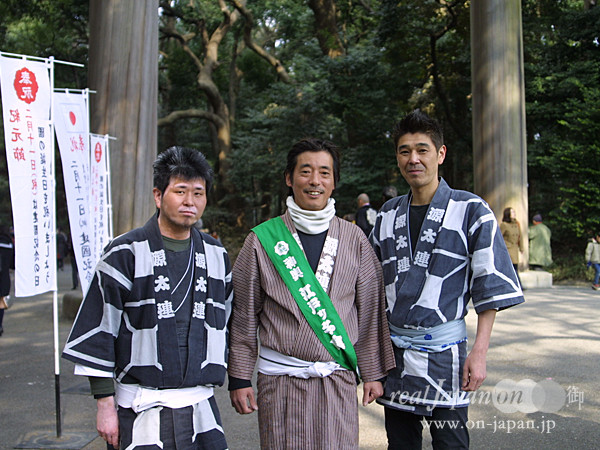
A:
{"points": [[318, 413]]}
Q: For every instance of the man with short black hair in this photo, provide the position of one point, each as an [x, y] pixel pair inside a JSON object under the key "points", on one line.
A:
{"points": [[439, 248], [310, 284], [154, 319]]}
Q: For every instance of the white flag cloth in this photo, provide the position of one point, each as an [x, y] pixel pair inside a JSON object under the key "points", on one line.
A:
{"points": [[99, 193], [28, 139], [71, 125]]}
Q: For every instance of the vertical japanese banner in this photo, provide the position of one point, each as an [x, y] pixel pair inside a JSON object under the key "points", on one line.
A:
{"points": [[28, 139], [71, 125], [99, 192]]}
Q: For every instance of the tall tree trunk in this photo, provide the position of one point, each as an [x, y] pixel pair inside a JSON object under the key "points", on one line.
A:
{"points": [[123, 71], [499, 144], [326, 27]]}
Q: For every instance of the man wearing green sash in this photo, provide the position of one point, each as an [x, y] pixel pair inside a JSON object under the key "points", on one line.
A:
{"points": [[309, 288]]}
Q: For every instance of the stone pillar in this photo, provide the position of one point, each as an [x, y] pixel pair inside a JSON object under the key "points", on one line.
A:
{"points": [[499, 144]]}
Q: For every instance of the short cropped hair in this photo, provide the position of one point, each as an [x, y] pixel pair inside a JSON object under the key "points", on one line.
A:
{"points": [[313, 145], [418, 122], [181, 162]]}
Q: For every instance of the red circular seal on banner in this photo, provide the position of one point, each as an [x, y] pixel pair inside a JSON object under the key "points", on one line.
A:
{"points": [[98, 152], [26, 85]]}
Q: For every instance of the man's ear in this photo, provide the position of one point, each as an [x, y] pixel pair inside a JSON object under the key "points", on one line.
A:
{"points": [[157, 197], [441, 154]]}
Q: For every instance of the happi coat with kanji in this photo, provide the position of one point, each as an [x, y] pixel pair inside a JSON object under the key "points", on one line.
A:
{"points": [[126, 323], [460, 257]]}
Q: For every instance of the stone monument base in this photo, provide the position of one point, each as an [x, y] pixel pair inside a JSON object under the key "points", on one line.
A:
{"points": [[531, 279]]}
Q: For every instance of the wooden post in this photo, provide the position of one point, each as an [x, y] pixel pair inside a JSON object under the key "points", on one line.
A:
{"points": [[123, 70], [499, 143]]}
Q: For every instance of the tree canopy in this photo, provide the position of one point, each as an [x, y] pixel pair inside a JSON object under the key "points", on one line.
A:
{"points": [[241, 81], [563, 115]]}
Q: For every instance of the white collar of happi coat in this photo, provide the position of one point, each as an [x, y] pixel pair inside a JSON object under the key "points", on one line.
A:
{"points": [[311, 222], [328, 254]]}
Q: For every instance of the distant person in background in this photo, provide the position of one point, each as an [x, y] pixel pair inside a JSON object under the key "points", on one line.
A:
{"points": [[592, 256], [389, 192], [511, 232], [62, 244], [366, 214], [350, 217], [74, 270], [540, 252], [6, 263]]}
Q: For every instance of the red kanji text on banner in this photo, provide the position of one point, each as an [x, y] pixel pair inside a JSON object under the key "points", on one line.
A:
{"points": [[28, 138]]}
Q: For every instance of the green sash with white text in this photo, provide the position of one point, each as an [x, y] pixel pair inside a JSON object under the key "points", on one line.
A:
{"points": [[314, 303]]}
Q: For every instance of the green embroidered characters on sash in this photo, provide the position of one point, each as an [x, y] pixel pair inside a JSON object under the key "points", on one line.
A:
{"points": [[314, 303]]}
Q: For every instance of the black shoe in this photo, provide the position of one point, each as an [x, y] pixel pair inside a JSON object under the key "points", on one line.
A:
{"points": [[1, 331]]}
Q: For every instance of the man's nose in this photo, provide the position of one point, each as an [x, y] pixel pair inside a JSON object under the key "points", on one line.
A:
{"points": [[414, 158], [188, 198], [315, 179]]}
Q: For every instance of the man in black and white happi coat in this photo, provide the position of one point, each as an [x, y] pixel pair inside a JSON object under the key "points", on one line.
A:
{"points": [[440, 248], [154, 320]]}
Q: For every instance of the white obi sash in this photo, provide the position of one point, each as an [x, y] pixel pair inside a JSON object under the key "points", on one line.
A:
{"points": [[271, 362], [140, 398]]}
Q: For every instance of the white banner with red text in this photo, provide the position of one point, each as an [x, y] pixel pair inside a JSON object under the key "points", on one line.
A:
{"points": [[100, 201], [71, 125], [26, 94]]}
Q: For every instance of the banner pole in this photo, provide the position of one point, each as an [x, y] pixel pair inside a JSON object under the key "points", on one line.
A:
{"points": [[56, 364], [55, 291], [39, 58]]}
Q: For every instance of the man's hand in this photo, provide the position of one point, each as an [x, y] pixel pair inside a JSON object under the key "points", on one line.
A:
{"points": [[371, 391], [474, 371], [107, 421], [243, 400]]}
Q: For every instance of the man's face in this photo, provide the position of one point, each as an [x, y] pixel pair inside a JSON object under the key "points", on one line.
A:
{"points": [[418, 159], [312, 181], [181, 205]]}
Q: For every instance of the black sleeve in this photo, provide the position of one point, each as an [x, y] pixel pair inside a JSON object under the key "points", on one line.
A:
{"points": [[101, 387], [238, 383]]}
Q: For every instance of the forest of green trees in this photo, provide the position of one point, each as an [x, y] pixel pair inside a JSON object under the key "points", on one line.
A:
{"points": [[346, 70]]}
